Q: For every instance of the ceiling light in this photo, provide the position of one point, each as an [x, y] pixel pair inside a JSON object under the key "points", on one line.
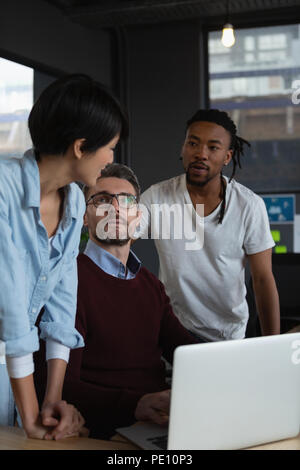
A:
{"points": [[228, 38]]}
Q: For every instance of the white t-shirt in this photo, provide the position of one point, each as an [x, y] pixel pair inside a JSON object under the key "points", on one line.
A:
{"points": [[207, 285]]}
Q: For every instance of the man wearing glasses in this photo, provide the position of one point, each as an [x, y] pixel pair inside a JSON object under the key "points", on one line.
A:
{"points": [[124, 316]]}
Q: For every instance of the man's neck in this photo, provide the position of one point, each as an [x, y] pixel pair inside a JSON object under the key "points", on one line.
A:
{"points": [[210, 195], [211, 190], [120, 252]]}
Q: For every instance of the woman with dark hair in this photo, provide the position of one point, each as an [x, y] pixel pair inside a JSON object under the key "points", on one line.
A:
{"points": [[74, 125]]}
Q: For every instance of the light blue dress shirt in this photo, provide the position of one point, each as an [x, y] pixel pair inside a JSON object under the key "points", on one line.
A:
{"points": [[30, 277], [110, 264]]}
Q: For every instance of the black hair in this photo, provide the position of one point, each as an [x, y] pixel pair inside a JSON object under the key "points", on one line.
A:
{"points": [[118, 170], [75, 107], [236, 143]]}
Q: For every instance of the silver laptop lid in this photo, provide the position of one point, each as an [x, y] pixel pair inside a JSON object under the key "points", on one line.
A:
{"points": [[235, 394]]}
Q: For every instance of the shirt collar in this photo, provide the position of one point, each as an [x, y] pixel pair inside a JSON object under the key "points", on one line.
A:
{"points": [[110, 264], [31, 180]]}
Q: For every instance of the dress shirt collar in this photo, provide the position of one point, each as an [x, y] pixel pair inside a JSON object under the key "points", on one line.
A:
{"points": [[110, 264]]}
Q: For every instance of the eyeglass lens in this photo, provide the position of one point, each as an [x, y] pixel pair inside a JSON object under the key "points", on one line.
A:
{"points": [[124, 200]]}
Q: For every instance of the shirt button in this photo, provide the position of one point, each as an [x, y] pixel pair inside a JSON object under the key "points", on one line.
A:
{"points": [[43, 278], [33, 310]]}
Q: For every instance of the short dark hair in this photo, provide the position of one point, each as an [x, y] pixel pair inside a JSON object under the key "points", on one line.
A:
{"points": [[236, 143], [118, 170], [75, 107]]}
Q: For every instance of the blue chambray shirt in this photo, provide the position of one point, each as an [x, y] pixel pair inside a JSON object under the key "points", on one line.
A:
{"points": [[30, 277], [110, 264]]}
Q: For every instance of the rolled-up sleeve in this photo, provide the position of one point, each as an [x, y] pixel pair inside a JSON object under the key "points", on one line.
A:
{"points": [[15, 331], [58, 320]]}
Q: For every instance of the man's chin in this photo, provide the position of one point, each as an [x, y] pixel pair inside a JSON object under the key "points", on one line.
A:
{"points": [[113, 241], [195, 181]]}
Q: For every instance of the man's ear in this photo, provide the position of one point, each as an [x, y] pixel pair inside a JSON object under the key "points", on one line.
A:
{"points": [[138, 217], [77, 148], [85, 220], [228, 157], [133, 225]]}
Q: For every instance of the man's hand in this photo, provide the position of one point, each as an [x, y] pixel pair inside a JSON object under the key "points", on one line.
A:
{"points": [[64, 419], [154, 407]]}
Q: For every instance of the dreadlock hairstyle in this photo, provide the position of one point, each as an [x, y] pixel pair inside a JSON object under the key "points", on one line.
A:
{"points": [[236, 143]]}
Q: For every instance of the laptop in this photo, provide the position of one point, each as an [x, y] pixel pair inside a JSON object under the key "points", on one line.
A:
{"points": [[229, 395]]}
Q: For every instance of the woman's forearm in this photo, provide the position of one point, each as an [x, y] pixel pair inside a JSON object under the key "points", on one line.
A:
{"points": [[25, 398], [55, 380], [27, 404]]}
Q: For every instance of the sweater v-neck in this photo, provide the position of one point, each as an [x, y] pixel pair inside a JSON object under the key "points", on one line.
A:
{"points": [[108, 277]]}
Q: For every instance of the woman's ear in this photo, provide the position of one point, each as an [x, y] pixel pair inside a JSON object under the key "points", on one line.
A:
{"points": [[77, 148]]}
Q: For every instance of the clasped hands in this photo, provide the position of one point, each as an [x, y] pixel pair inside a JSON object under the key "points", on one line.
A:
{"points": [[57, 421]]}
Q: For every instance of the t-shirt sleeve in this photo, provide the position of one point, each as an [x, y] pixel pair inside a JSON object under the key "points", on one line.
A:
{"points": [[257, 234]]}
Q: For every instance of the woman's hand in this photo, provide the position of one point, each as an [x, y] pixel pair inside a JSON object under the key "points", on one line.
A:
{"points": [[62, 420], [27, 404], [35, 429]]}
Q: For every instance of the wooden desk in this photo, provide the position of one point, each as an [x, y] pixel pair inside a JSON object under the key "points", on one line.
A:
{"points": [[286, 444], [14, 439]]}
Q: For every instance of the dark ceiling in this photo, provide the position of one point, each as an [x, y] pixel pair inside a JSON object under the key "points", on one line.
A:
{"points": [[107, 13]]}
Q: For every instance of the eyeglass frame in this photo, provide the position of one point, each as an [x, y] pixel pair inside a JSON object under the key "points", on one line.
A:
{"points": [[90, 200]]}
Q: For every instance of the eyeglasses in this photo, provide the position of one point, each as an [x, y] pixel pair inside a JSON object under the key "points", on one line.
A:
{"points": [[125, 200]]}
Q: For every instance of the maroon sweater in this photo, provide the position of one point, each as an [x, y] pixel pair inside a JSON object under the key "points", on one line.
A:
{"points": [[127, 325]]}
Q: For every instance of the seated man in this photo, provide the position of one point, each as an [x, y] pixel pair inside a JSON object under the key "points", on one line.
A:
{"points": [[123, 314]]}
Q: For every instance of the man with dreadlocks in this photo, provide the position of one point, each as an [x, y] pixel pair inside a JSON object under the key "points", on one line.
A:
{"points": [[207, 286]]}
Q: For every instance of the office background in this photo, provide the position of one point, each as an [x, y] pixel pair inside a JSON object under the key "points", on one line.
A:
{"points": [[164, 60]]}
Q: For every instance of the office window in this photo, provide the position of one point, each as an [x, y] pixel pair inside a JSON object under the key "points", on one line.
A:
{"points": [[249, 57], [271, 56], [255, 86], [16, 99], [272, 41], [216, 47], [259, 87], [249, 43]]}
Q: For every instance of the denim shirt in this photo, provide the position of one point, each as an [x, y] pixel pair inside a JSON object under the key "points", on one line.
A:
{"points": [[110, 264], [30, 277]]}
